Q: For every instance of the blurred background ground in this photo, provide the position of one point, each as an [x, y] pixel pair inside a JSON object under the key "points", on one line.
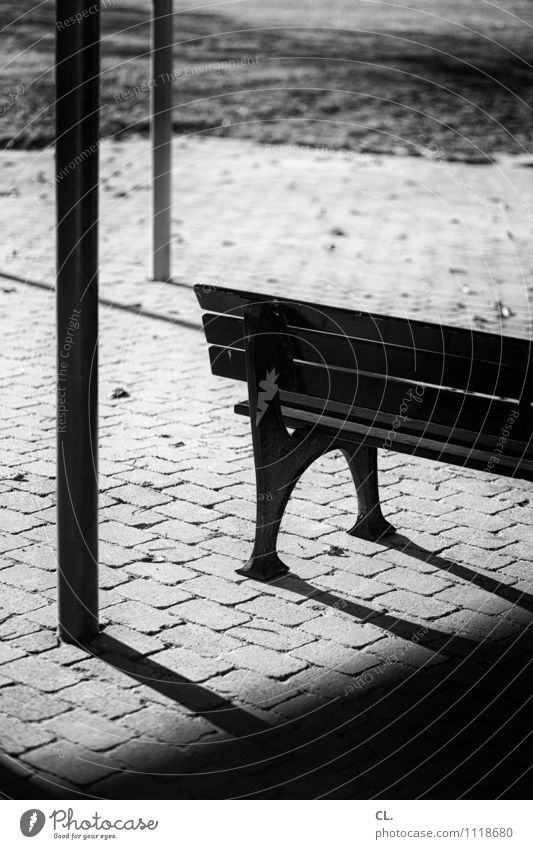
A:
{"points": [[369, 76]]}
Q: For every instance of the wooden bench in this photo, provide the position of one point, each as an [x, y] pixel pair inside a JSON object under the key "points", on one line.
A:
{"points": [[322, 378]]}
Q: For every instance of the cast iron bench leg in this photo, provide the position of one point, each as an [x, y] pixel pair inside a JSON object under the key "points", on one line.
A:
{"points": [[370, 524], [280, 461], [280, 458]]}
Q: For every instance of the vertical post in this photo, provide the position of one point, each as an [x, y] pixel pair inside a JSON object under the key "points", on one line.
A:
{"points": [[161, 109], [77, 81]]}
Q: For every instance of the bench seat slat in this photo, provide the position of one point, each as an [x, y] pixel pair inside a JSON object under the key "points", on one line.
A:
{"points": [[373, 357], [361, 434], [443, 407], [413, 427]]}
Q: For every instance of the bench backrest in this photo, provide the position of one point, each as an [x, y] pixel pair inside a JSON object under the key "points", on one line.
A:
{"points": [[460, 380]]}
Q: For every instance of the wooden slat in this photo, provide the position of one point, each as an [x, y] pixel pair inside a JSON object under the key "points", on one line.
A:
{"points": [[388, 330], [414, 427], [444, 407], [376, 358], [356, 433]]}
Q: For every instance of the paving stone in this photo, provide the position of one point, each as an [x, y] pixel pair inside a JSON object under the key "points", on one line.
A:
{"points": [[220, 590], [328, 684], [203, 640], [132, 516], [25, 502], [10, 652], [478, 625], [423, 506], [487, 505], [211, 614], [13, 522], [261, 632], [197, 494], [252, 687], [13, 542], [407, 520], [352, 544], [168, 726], [115, 555], [344, 631], [153, 593], [69, 761], [120, 534], [94, 732], [28, 704], [413, 604], [40, 673], [408, 653], [192, 665], [16, 600], [406, 579], [218, 564], [16, 626], [103, 697], [481, 539], [475, 598], [474, 519], [140, 617], [342, 659], [28, 578], [166, 573], [140, 496], [182, 531], [38, 641], [46, 617], [277, 610], [354, 585], [304, 705], [17, 736], [188, 511], [130, 641], [154, 758], [266, 661], [521, 550], [307, 528], [471, 556]]}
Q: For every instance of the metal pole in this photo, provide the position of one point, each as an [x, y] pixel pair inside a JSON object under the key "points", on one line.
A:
{"points": [[161, 109], [77, 81]]}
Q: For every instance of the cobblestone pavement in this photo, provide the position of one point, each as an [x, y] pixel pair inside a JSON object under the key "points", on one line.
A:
{"points": [[396, 669]]}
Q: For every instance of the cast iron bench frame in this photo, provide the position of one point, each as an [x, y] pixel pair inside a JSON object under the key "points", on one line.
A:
{"points": [[308, 366]]}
